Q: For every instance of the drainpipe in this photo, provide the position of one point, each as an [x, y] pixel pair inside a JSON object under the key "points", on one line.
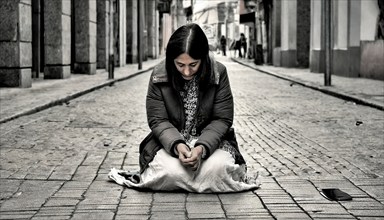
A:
{"points": [[111, 40], [139, 34], [328, 44]]}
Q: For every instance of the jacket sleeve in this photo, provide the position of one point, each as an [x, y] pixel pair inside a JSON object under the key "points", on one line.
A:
{"points": [[222, 116], [158, 121]]}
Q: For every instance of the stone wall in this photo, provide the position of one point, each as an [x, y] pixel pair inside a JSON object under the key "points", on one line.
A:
{"points": [[57, 39], [16, 43], [372, 65]]}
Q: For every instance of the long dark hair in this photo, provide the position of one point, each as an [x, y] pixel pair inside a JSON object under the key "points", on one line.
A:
{"points": [[190, 39]]}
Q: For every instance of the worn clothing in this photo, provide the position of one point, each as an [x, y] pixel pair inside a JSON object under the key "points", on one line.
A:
{"points": [[195, 117], [166, 116], [165, 173]]}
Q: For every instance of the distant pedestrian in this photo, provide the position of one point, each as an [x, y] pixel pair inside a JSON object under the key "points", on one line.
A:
{"points": [[190, 107], [223, 44], [238, 48], [243, 45]]}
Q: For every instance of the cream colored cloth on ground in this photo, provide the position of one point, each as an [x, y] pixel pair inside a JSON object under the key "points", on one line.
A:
{"points": [[218, 173]]}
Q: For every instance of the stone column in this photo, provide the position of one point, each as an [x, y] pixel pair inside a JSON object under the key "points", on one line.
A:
{"points": [[340, 38], [85, 36], [354, 37], [16, 43], [57, 39], [152, 29], [102, 33], [288, 33], [122, 32], [317, 53], [295, 29], [276, 33], [132, 11], [303, 33]]}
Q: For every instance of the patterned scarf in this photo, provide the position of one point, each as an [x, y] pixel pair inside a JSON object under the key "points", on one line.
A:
{"points": [[189, 96]]}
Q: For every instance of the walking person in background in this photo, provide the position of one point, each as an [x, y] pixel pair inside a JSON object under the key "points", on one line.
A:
{"points": [[238, 47], [243, 44], [223, 44], [192, 145]]}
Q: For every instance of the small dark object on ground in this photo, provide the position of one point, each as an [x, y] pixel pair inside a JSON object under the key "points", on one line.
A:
{"points": [[335, 194]]}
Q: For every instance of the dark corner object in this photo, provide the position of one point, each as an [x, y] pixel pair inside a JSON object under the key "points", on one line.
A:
{"points": [[335, 194]]}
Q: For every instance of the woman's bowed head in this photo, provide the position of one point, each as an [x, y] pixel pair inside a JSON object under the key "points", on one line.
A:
{"points": [[192, 145]]}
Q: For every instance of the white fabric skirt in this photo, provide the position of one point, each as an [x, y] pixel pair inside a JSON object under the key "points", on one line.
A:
{"points": [[218, 173]]}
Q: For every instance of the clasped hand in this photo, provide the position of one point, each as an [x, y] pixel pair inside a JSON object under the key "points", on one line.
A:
{"points": [[190, 157]]}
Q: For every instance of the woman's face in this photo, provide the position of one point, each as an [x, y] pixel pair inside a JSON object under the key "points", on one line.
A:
{"points": [[187, 66]]}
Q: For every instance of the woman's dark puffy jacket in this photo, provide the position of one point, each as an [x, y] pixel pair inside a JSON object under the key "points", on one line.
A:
{"points": [[166, 117]]}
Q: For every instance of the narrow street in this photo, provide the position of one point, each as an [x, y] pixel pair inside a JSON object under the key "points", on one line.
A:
{"points": [[54, 163]]}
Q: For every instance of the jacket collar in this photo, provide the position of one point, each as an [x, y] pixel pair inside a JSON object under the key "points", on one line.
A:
{"points": [[160, 73]]}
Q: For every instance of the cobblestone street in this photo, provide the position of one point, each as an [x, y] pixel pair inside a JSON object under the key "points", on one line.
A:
{"points": [[54, 163]]}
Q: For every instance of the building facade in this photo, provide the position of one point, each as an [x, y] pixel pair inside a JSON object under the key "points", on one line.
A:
{"points": [[52, 39], [291, 33], [357, 49]]}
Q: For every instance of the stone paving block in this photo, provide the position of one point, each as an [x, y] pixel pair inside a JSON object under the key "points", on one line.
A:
{"points": [[69, 193], [136, 200], [62, 202], [95, 207], [58, 176], [63, 172], [98, 199], [105, 215], [270, 192], [204, 207], [312, 200], [194, 197], [370, 218], [4, 174], [131, 217], [367, 212], [368, 181], [39, 172], [170, 214], [206, 215], [244, 208], [85, 173], [56, 210], [131, 196], [78, 185], [327, 216], [21, 205], [282, 200], [134, 209], [164, 197], [96, 195], [60, 217], [324, 208], [376, 191], [95, 158], [105, 186], [239, 198], [168, 206], [9, 187], [21, 173], [294, 215], [251, 217], [285, 209], [371, 204], [17, 214], [31, 195]]}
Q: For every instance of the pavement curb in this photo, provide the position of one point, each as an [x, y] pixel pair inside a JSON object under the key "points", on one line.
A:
{"points": [[326, 90], [70, 97]]}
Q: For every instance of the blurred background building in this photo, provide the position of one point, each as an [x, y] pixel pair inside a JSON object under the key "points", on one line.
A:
{"points": [[52, 39]]}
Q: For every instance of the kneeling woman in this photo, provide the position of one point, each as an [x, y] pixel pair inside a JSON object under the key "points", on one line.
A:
{"points": [[189, 105]]}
